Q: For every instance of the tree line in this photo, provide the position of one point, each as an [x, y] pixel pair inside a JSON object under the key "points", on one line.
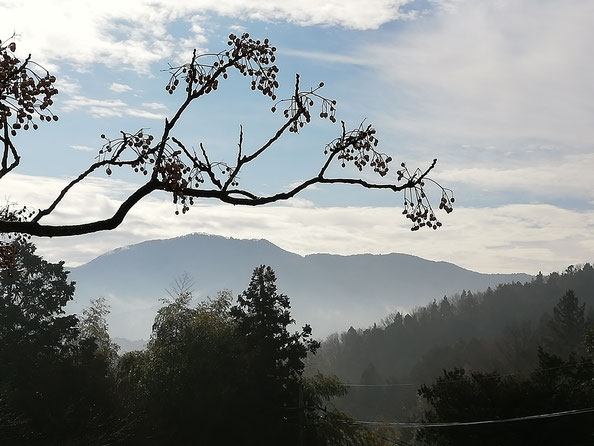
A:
{"points": [[219, 372], [517, 350], [230, 371]]}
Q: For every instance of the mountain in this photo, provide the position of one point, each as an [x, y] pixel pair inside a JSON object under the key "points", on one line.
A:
{"points": [[330, 292], [126, 345]]}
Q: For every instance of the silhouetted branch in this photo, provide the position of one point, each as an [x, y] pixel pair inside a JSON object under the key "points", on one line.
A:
{"points": [[35, 228], [172, 167]]}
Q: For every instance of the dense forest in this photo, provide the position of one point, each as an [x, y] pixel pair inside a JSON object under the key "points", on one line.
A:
{"points": [[216, 373], [507, 338], [508, 366]]}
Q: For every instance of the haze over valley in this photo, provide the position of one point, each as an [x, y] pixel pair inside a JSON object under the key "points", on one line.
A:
{"points": [[329, 292], [300, 223]]}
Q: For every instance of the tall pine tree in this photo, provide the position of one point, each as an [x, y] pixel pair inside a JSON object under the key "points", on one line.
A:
{"points": [[567, 326]]}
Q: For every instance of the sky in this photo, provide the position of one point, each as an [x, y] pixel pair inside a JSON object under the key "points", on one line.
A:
{"points": [[499, 91]]}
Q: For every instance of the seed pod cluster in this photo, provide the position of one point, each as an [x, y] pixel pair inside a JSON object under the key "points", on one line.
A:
{"points": [[24, 94], [173, 173], [446, 203], [138, 143], [417, 206], [178, 176], [359, 147], [300, 107], [253, 58]]}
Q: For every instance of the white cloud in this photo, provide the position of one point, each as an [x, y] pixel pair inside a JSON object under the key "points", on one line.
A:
{"points": [[492, 71], [238, 28], [94, 105], [299, 202], [567, 176], [120, 88], [350, 14], [511, 238], [154, 105], [67, 85], [321, 56], [195, 40], [82, 148], [106, 108], [448, 5], [134, 34], [144, 114]]}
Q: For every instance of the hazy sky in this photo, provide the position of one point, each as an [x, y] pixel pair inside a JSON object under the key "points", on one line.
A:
{"points": [[501, 92]]}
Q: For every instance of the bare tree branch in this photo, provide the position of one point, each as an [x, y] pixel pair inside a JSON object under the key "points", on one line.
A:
{"points": [[9, 149], [34, 228], [172, 167]]}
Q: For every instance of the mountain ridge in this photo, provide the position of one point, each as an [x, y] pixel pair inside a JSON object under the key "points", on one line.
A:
{"points": [[328, 291]]}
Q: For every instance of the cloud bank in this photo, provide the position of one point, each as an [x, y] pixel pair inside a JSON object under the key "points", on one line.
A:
{"points": [[500, 91], [494, 72], [135, 33], [509, 238]]}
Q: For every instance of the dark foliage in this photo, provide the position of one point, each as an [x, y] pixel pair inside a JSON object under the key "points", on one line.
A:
{"points": [[555, 387], [567, 326], [222, 374], [219, 373], [54, 388], [498, 329], [274, 356]]}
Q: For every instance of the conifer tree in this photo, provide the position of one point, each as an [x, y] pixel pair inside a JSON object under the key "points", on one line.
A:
{"points": [[567, 326]]}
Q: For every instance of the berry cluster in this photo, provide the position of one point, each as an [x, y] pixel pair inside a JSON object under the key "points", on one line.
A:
{"points": [[446, 202], [298, 108], [250, 57], [177, 176], [359, 146], [24, 94], [417, 206], [300, 105], [139, 143]]}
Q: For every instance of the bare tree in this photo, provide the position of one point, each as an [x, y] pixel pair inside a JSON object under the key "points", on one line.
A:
{"points": [[169, 165]]}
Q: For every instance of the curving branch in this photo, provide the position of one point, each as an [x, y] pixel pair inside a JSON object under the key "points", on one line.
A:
{"points": [[171, 166], [8, 151], [35, 228]]}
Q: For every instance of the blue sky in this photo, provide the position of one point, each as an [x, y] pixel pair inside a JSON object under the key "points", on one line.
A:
{"points": [[500, 92]]}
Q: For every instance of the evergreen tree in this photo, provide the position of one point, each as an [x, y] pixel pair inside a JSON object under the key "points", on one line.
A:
{"points": [[263, 317], [218, 374], [567, 326], [275, 356], [35, 337], [52, 391], [446, 309]]}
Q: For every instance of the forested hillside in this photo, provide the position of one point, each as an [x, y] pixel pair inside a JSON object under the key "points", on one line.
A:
{"points": [[504, 367], [500, 331], [224, 372], [329, 292]]}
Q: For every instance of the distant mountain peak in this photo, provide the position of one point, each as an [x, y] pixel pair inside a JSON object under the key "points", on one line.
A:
{"points": [[328, 291]]}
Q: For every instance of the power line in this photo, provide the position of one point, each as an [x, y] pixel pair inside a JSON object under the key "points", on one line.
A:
{"points": [[475, 423], [482, 378]]}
